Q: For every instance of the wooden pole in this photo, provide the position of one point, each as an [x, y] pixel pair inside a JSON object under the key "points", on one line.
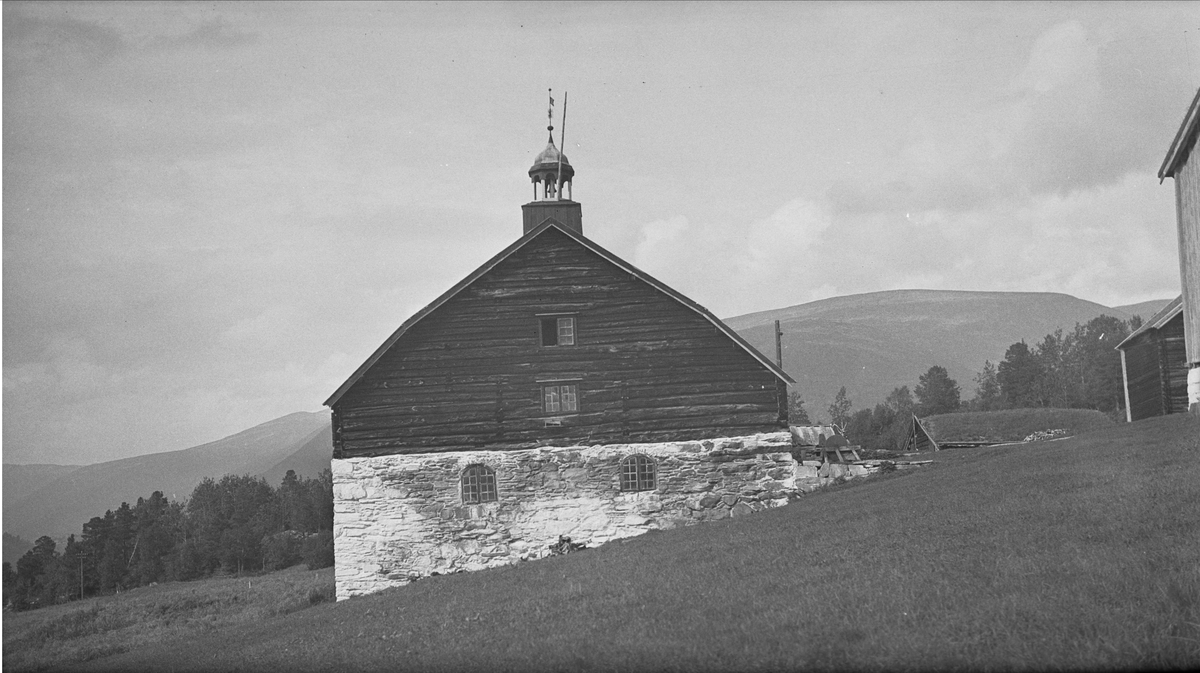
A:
{"points": [[778, 345], [562, 139]]}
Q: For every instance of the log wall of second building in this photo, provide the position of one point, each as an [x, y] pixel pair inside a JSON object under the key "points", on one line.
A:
{"points": [[1145, 382]]}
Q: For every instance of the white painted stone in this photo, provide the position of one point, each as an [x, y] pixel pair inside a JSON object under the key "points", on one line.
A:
{"points": [[401, 517]]}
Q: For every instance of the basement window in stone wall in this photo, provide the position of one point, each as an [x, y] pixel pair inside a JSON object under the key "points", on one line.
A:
{"points": [[557, 331], [638, 473], [478, 485], [560, 398]]}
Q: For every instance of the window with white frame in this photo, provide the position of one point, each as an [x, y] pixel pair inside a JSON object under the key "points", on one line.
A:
{"points": [[560, 398], [558, 331]]}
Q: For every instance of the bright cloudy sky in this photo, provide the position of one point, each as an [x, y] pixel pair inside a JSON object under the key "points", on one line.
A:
{"points": [[213, 213]]}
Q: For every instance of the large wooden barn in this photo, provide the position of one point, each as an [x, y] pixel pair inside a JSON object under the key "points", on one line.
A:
{"points": [[554, 340], [1154, 364], [555, 392]]}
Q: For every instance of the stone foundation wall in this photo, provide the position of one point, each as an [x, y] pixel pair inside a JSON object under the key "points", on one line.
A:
{"points": [[398, 518]]}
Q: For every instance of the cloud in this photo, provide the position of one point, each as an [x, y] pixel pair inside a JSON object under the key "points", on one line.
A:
{"points": [[61, 43], [1083, 111], [214, 34]]}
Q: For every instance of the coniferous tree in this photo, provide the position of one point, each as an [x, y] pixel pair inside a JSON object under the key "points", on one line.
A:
{"points": [[31, 589], [839, 411], [936, 392], [1019, 376], [10, 584], [1102, 385], [987, 389], [797, 414]]}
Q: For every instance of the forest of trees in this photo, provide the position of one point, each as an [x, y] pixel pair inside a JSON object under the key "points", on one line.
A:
{"points": [[232, 525], [1077, 370]]}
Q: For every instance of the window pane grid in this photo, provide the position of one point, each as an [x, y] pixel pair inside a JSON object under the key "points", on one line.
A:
{"points": [[560, 398], [566, 331], [638, 473], [478, 485], [550, 393]]}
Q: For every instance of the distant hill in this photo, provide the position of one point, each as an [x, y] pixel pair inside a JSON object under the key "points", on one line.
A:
{"points": [[313, 456], [22, 480], [872, 343], [60, 506], [1144, 309]]}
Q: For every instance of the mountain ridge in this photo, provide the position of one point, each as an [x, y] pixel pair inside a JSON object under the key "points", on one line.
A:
{"points": [[874, 342], [61, 505]]}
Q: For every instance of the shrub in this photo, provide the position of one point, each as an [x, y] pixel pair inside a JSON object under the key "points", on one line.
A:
{"points": [[282, 550], [325, 593], [318, 550]]}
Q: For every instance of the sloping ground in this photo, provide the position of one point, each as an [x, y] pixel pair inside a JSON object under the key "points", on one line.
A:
{"points": [[61, 506], [874, 342], [58, 636], [1075, 554], [1012, 425]]}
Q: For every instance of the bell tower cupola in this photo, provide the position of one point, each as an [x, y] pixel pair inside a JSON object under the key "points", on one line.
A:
{"points": [[551, 175]]}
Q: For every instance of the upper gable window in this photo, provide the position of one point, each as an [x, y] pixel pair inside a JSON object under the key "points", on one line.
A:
{"points": [[558, 331]]}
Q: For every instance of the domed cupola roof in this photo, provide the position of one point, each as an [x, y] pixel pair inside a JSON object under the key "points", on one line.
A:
{"points": [[547, 162]]}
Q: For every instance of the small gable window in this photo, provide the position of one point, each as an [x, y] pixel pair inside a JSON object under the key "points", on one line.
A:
{"points": [[478, 485], [558, 331], [638, 473], [560, 398]]}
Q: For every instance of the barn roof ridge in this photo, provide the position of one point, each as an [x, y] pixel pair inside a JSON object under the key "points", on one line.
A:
{"points": [[508, 252], [1180, 146], [1156, 321]]}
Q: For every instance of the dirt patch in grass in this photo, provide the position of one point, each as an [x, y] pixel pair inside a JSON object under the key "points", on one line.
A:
{"points": [[1078, 554]]}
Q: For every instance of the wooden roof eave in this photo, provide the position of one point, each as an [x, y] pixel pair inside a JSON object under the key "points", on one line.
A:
{"points": [[1182, 143], [1156, 321], [509, 251]]}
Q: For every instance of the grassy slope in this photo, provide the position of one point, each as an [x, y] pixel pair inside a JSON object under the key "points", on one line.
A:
{"points": [[1080, 553], [52, 638]]}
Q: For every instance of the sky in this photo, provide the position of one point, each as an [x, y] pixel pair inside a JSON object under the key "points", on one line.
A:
{"points": [[213, 213]]}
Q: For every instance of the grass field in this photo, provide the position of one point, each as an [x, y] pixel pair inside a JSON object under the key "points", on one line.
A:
{"points": [[1076, 554], [55, 637]]}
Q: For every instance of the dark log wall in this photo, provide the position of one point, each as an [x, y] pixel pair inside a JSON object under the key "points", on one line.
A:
{"points": [[1143, 368], [1174, 366], [468, 375], [1157, 370]]}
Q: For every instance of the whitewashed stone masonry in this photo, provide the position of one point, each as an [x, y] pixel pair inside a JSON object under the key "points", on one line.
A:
{"points": [[401, 517]]}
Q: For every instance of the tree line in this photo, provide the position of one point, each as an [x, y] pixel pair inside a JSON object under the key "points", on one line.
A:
{"points": [[1076, 370], [233, 525]]}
